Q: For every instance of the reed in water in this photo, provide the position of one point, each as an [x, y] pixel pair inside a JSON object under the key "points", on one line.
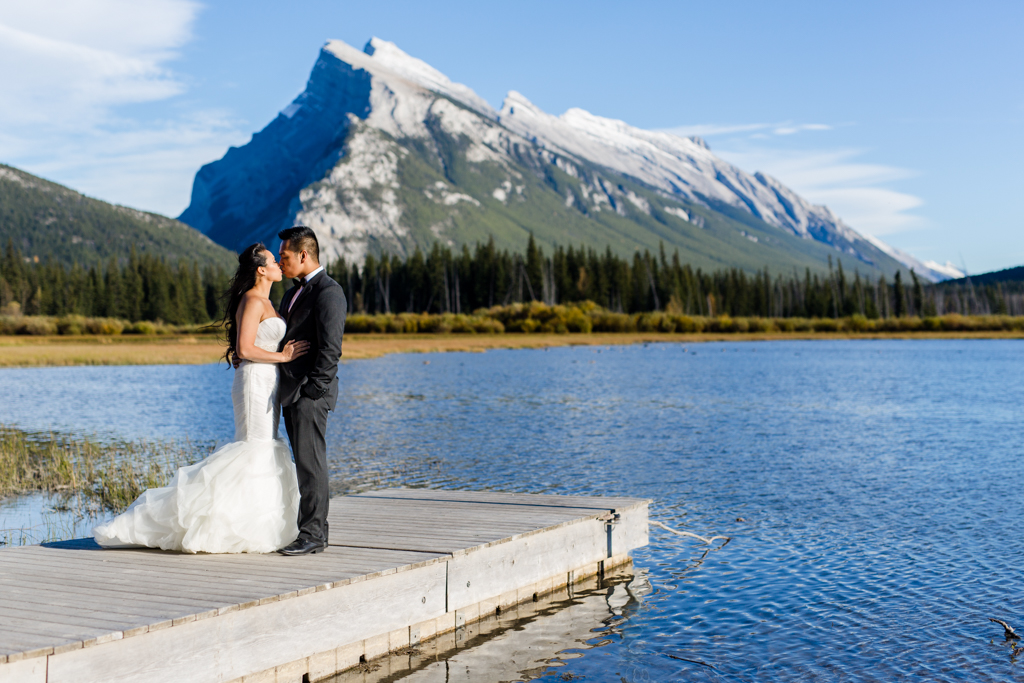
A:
{"points": [[109, 475]]}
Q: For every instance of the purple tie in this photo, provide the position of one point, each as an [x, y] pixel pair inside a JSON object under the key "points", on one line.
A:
{"points": [[302, 287]]}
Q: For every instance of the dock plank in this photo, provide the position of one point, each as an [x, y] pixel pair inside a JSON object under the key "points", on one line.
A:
{"points": [[206, 568], [82, 616], [503, 498], [26, 587], [12, 641], [64, 615], [164, 585], [57, 633]]}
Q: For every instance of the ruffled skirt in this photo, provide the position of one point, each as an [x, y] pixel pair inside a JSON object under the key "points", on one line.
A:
{"points": [[244, 498]]}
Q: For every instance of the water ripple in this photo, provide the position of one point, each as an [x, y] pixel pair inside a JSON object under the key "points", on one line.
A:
{"points": [[872, 489]]}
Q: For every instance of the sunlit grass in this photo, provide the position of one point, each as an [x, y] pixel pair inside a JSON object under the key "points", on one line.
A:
{"points": [[107, 475], [531, 325]]}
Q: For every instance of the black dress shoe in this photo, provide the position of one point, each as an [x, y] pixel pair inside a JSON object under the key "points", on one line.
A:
{"points": [[302, 546]]}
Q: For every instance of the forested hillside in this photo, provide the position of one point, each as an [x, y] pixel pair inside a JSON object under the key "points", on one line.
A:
{"points": [[1006, 276], [144, 287], [48, 222]]}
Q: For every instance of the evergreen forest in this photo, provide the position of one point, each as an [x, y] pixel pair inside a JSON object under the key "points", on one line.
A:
{"points": [[443, 280]]}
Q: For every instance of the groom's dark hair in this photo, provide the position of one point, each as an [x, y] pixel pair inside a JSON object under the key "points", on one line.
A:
{"points": [[301, 238]]}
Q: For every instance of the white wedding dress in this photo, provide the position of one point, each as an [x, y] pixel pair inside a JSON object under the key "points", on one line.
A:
{"points": [[244, 498]]}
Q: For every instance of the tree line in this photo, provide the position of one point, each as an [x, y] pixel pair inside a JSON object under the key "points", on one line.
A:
{"points": [[142, 288], [446, 280]]}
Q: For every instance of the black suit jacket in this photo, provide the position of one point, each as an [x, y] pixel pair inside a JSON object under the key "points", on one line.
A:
{"points": [[319, 318]]}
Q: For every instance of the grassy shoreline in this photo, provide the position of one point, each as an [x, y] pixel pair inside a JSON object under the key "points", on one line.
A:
{"points": [[56, 351], [107, 475]]}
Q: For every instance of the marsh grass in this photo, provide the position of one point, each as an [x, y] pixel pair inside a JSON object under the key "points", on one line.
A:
{"points": [[587, 317], [84, 471], [521, 318], [79, 325]]}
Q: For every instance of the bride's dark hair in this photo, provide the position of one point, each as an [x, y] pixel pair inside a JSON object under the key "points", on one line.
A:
{"points": [[252, 258]]}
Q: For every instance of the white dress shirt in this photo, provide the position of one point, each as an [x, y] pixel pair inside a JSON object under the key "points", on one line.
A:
{"points": [[303, 287]]}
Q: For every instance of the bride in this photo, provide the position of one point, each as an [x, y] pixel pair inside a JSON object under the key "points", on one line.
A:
{"points": [[244, 498]]}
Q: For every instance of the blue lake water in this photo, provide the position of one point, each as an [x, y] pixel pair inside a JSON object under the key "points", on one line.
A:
{"points": [[873, 490]]}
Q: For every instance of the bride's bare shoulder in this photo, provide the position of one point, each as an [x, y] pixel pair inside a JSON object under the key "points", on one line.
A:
{"points": [[261, 303], [248, 299], [254, 301]]}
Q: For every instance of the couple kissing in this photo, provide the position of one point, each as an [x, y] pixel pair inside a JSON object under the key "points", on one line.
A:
{"points": [[251, 495]]}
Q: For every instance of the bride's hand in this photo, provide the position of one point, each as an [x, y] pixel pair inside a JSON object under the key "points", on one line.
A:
{"points": [[293, 350]]}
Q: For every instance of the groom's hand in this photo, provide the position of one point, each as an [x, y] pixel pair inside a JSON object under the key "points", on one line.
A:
{"points": [[309, 390]]}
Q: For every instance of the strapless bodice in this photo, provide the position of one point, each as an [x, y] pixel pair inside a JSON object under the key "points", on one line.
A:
{"points": [[254, 392], [270, 333]]}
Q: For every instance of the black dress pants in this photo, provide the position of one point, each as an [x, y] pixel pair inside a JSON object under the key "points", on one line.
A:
{"points": [[306, 422]]}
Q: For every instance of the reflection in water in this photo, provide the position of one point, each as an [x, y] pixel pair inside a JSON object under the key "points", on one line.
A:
{"points": [[39, 518], [533, 640], [162, 402]]}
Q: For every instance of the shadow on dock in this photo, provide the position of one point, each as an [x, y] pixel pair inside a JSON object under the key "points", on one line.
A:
{"points": [[74, 544], [522, 643]]}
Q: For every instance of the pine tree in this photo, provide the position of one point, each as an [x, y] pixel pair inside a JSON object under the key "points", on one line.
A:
{"points": [[534, 268], [134, 295], [918, 294], [111, 304], [197, 305], [371, 295], [899, 307], [417, 282]]}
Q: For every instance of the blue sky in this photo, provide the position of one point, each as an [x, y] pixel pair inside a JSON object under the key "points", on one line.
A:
{"points": [[905, 118]]}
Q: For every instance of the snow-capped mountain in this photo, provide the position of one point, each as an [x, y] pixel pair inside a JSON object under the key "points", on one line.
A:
{"points": [[932, 270], [382, 152]]}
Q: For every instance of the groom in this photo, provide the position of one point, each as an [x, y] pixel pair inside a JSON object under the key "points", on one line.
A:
{"points": [[315, 312]]}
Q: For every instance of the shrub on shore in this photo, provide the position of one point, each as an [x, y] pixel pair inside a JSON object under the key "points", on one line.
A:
{"points": [[78, 325], [422, 323], [535, 317]]}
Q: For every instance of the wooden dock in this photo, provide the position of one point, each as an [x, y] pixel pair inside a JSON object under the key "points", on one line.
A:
{"points": [[404, 566]]}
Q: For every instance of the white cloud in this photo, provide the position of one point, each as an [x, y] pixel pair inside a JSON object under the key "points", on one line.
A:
{"points": [[147, 166], [121, 26], [67, 66], [711, 129], [799, 128], [854, 190], [816, 168], [759, 130], [65, 63], [875, 210]]}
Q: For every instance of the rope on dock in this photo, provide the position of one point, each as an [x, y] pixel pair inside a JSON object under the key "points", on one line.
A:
{"points": [[687, 533]]}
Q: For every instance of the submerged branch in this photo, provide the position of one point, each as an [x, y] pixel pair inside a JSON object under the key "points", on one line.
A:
{"points": [[707, 541]]}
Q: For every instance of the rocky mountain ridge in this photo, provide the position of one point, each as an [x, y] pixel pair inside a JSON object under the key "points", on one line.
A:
{"points": [[382, 152]]}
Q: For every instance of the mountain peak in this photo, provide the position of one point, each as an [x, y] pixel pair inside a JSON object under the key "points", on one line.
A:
{"points": [[700, 142], [387, 62], [514, 99], [390, 56]]}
